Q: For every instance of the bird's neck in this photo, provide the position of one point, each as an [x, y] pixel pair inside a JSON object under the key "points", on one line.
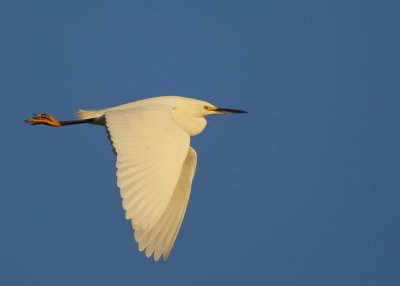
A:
{"points": [[193, 125]]}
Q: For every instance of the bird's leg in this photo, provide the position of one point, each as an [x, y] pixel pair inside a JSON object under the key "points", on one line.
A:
{"points": [[47, 119], [44, 118]]}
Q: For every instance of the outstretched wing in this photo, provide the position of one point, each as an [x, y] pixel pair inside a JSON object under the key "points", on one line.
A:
{"points": [[160, 239], [152, 151]]}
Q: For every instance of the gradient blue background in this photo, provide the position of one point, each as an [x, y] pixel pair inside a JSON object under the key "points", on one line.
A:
{"points": [[303, 190]]}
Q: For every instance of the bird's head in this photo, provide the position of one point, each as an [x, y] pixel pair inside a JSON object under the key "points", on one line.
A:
{"points": [[202, 108], [190, 113]]}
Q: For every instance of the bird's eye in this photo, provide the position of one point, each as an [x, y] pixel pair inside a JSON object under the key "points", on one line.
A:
{"points": [[206, 107]]}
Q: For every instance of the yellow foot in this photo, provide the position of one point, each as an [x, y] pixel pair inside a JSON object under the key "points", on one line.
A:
{"points": [[43, 119]]}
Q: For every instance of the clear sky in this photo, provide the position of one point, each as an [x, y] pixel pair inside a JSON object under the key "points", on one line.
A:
{"points": [[303, 190]]}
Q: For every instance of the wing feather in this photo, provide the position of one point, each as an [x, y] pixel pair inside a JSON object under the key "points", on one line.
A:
{"points": [[160, 239], [155, 169]]}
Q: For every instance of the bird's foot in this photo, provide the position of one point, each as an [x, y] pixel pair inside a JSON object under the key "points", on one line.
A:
{"points": [[44, 118]]}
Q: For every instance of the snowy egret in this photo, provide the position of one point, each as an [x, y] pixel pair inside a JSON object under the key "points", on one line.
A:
{"points": [[155, 162]]}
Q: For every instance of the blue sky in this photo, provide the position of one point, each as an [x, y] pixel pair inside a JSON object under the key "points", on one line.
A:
{"points": [[303, 190]]}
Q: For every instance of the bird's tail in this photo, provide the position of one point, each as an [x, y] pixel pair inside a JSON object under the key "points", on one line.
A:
{"points": [[87, 114]]}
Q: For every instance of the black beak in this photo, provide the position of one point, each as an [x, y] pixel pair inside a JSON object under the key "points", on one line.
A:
{"points": [[228, 110]]}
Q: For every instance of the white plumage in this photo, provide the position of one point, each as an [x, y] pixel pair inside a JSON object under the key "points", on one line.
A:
{"points": [[155, 162]]}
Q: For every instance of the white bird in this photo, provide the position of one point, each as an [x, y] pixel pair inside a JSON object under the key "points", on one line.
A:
{"points": [[155, 162]]}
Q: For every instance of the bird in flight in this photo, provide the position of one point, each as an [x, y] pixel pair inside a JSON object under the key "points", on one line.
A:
{"points": [[155, 162]]}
